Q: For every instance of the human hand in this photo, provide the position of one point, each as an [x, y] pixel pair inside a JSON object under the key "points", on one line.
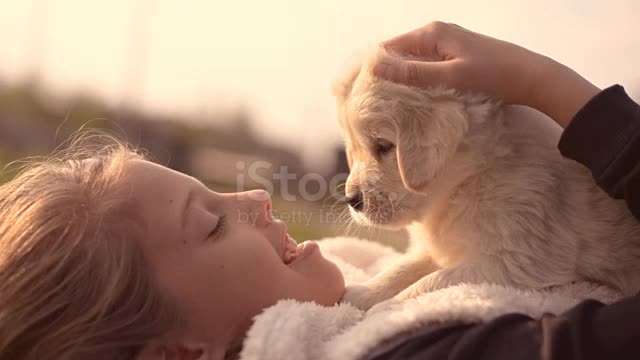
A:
{"points": [[473, 62]]}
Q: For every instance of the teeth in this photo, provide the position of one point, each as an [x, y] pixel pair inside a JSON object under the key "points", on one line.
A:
{"points": [[293, 249], [291, 246]]}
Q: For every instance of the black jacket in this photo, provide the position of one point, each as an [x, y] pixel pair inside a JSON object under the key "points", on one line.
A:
{"points": [[604, 136]]}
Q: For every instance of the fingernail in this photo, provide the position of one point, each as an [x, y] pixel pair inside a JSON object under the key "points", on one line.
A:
{"points": [[381, 70]]}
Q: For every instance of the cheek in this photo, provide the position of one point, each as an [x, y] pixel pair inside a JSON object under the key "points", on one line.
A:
{"points": [[384, 178], [376, 180], [361, 173], [393, 170], [252, 276], [257, 260], [245, 256]]}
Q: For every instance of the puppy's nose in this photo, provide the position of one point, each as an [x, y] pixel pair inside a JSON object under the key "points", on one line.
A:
{"points": [[355, 201]]}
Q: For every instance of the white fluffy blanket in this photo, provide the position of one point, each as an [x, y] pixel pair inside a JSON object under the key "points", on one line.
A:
{"points": [[307, 331]]}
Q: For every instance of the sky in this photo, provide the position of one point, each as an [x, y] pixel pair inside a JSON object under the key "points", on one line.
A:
{"points": [[278, 58]]}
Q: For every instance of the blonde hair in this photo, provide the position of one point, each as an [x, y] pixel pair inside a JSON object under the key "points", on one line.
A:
{"points": [[73, 281]]}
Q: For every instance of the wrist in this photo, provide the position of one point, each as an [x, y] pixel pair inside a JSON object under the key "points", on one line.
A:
{"points": [[558, 91]]}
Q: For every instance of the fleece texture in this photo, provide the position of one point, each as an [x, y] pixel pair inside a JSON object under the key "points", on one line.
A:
{"points": [[307, 331]]}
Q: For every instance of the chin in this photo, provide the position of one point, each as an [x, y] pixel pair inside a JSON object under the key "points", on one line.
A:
{"points": [[333, 285], [395, 223], [359, 217]]}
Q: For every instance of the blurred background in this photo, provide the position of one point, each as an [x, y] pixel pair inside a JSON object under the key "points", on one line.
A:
{"points": [[208, 85]]}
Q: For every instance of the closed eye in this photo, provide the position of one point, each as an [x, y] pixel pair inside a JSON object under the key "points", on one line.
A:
{"points": [[218, 229], [382, 147]]}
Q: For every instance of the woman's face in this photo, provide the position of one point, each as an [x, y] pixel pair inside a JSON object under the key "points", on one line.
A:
{"points": [[221, 255]]}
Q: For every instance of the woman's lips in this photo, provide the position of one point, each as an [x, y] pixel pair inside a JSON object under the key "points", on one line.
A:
{"points": [[289, 245], [282, 248], [290, 249], [304, 250]]}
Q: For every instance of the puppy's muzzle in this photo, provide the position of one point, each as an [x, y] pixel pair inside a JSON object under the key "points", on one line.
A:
{"points": [[356, 201]]}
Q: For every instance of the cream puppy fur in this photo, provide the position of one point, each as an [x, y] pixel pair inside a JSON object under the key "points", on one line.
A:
{"points": [[483, 190]]}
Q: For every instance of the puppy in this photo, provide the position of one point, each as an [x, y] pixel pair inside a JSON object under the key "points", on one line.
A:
{"points": [[482, 189]]}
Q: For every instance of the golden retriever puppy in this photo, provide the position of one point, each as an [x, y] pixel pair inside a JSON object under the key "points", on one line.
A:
{"points": [[483, 190]]}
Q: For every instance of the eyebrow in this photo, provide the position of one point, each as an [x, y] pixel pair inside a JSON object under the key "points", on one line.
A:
{"points": [[187, 203]]}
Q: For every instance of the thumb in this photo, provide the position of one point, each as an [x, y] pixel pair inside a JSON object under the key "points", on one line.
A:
{"points": [[412, 72]]}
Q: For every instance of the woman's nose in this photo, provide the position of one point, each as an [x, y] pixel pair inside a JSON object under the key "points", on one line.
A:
{"points": [[260, 204]]}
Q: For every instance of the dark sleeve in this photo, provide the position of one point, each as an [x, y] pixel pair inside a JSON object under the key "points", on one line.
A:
{"points": [[605, 137], [588, 331]]}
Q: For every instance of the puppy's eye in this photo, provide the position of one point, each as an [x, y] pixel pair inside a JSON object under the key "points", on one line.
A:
{"points": [[383, 147]]}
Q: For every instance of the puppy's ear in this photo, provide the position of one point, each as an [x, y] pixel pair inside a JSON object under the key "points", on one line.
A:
{"points": [[426, 140], [341, 87]]}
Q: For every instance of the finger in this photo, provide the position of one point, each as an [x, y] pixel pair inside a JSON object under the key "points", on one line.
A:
{"points": [[415, 73], [456, 25], [419, 42]]}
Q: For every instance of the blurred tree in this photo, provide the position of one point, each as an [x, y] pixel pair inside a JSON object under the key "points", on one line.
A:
{"points": [[87, 111]]}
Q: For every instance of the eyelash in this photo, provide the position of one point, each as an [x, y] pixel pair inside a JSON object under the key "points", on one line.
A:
{"points": [[383, 147], [215, 233]]}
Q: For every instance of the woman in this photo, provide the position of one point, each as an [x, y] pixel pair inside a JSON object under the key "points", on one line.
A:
{"points": [[105, 255]]}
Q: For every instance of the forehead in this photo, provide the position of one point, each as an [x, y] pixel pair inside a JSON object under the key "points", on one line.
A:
{"points": [[158, 192], [145, 175], [155, 188], [363, 121]]}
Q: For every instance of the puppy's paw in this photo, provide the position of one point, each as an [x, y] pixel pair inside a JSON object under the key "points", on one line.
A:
{"points": [[384, 305], [360, 296]]}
